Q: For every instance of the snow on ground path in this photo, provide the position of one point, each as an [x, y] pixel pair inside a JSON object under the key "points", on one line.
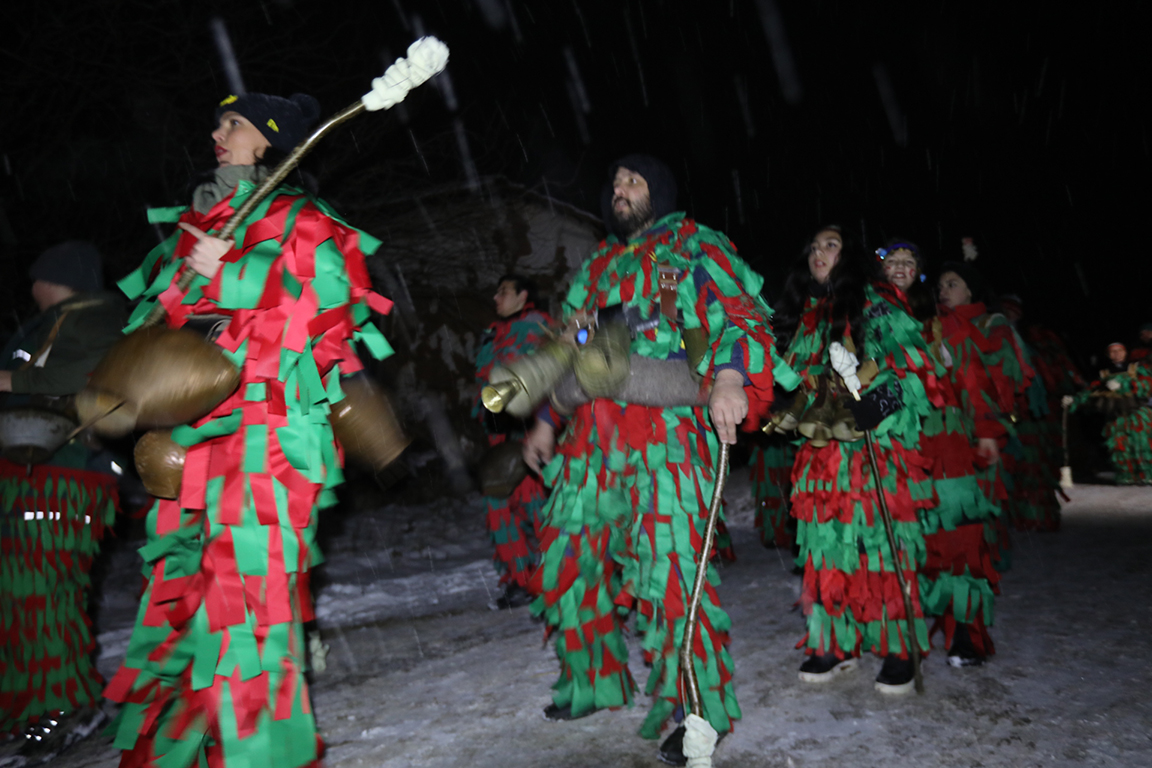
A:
{"points": [[454, 684]]}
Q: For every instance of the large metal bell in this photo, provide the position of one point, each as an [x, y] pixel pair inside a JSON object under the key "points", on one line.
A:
{"points": [[366, 425], [160, 463], [156, 377]]}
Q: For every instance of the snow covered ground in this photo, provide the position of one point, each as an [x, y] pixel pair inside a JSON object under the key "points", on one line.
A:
{"points": [[421, 673]]}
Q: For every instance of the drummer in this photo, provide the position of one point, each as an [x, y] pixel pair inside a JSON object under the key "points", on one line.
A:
{"points": [[52, 531], [214, 672]]}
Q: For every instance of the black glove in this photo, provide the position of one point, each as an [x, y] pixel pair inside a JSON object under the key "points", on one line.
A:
{"points": [[782, 399], [877, 405]]}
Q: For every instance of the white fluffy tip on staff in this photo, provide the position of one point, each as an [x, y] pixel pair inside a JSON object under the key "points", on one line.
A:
{"points": [[426, 58], [845, 364]]}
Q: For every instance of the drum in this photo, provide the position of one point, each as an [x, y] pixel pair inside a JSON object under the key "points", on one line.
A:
{"points": [[30, 435]]}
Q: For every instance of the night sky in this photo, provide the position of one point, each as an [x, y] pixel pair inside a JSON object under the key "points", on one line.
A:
{"points": [[932, 121]]}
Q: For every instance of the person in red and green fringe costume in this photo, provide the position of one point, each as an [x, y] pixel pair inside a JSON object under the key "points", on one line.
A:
{"points": [[1122, 394], [631, 483], [1058, 376], [958, 581], [990, 360], [771, 469], [214, 671], [851, 597], [54, 513], [519, 329]]}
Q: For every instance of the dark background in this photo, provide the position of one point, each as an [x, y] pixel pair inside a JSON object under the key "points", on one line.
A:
{"points": [[1017, 125]]}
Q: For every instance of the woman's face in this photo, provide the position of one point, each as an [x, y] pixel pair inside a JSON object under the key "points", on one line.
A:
{"points": [[954, 291], [238, 142], [824, 253], [900, 268]]}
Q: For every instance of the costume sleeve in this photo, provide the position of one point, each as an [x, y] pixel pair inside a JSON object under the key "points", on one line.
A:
{"points": [[1136, 381], [83, 338], [721, 295]]}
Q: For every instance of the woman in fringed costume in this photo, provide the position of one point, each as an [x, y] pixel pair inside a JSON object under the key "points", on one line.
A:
{"points": [[851, 595], [958, 581], [54, 513], [631, 483], [1122, 394], [214, 672], [518, 330], [1059, 376], [990, 374]]}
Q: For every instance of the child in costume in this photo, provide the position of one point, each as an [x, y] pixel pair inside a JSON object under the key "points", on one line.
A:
{"points": [[214, 672]]}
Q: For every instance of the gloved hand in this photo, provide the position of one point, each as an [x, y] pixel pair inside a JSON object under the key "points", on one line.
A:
{"points": [[875, 406], [1067, 401], [845, 364], [1113, 385]]}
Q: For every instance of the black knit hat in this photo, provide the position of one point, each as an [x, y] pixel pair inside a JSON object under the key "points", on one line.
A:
{"points": [[661, 186], [284, 122], [970, 275], [74, 263]]}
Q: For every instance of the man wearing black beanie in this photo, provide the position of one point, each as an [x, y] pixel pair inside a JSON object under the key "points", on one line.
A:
{"points": [[631, 481], [57, 509]]}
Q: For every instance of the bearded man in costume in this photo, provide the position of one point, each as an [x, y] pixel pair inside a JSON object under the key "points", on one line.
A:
{"points": [[54, 513], [631, 483], [513, 507]]}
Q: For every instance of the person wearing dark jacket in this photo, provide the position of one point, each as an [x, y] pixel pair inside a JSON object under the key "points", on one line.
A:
{"points": [[55, 512]]}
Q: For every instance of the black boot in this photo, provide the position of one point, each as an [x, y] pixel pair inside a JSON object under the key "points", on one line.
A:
{"points": [[554, 713], [896, 677], [963, 653], [821, 669], [514, 596]]}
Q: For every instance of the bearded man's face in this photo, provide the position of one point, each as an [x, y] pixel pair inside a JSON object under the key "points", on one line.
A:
{"points": [[631, 201]]}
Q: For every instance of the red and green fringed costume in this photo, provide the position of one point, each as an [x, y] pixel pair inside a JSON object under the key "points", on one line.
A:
{"points": [[851, 597], [509, 520], [992, 388], [1032, 504], [1041, 431], [771, 466], [958, 581], [214, 672], [1128, 433], [631, 484], [52, 518]]}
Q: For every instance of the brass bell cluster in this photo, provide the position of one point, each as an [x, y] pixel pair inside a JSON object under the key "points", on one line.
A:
{"points": [[594, 350], [157, 378], [827, 417]]}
